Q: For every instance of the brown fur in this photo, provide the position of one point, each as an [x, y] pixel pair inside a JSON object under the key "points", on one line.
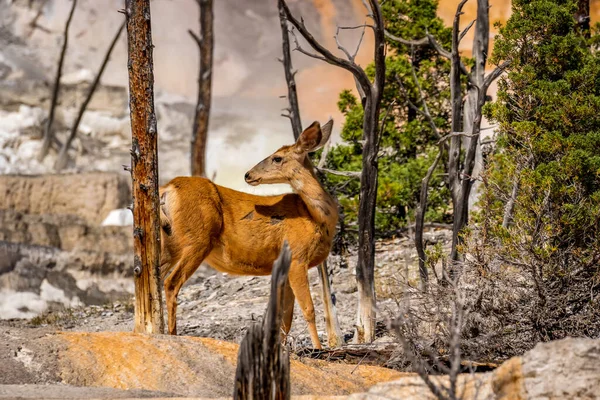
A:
{"points": [[242, 234]]}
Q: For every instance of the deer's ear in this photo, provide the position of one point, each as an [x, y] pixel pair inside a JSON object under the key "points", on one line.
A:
{"points": [[326, 133], [314, 137]]}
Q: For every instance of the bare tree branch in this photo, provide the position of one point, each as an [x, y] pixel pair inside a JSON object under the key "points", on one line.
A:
{"points": [[48, 133], [418, 42], [63, 156], [195, 37], [326, 55], [324, 153], [339, 45], [430, 39], [420, 220], [200, 127], [294, 108], [492, 76], [455, 134], [357, 27], [306, 53], [422, 98], [466, 30], [348, 174]]}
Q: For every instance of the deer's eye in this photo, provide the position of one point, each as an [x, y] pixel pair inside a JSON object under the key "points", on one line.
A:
{"points": [[277, 159]]}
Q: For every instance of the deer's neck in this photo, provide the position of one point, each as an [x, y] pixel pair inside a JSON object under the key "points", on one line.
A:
{"points": [[320, 204]]}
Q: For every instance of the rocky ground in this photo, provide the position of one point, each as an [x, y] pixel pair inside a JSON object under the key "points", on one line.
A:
{"points": [[217, 305]]}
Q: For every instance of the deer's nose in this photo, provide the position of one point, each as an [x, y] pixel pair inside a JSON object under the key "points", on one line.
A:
{"points": [[247, 175]]}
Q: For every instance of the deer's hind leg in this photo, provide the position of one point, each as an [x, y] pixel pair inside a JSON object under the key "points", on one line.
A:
{"points": [[187, 264]]}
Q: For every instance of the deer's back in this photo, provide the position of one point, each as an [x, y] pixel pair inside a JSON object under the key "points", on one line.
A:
{"points": [[246, 231]]}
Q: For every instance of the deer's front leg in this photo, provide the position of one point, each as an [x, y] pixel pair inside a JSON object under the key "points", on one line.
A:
{"points": [[298, 277], [288, 311]]}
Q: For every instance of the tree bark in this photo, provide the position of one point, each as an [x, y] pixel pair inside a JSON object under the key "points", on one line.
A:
{"points": [[420, 221], [371, 94], [294, 108], [63, 156], [455, 141], [48, 133], [335, 337], [460, 175], [365, 267], [263, 366], [201, 119], [477, 98], [144, 168]]}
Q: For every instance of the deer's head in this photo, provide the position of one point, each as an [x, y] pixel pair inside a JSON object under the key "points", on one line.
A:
{"points": [[281, 166]]}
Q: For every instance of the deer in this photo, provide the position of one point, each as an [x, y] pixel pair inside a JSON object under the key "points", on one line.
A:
{"points": [[242, 234]]}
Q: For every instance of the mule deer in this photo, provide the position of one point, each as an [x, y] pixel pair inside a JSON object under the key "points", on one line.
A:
{"points": [[242, 234]]}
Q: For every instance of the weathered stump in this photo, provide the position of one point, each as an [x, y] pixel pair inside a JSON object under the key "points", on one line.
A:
{"points": [[263, 367]]}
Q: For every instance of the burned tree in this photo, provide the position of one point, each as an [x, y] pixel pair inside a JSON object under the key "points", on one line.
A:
{"points": [[63, 156], [461, 164], [144, 169], [48, 133], [205, 44], [334, 333], [371, 93]]}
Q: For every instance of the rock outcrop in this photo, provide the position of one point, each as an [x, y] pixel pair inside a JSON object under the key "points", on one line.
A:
{"points": [[54, 252], [567, 369], [89, 196]]}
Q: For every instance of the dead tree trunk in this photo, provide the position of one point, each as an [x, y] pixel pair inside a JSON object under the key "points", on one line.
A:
{"points": [[460, 173], [420, 222], [479, 83], [371, 99], [454, 152], [48, 133], [144, 169], [205, 45], [63, 156], [335, 337], [263, 366]]}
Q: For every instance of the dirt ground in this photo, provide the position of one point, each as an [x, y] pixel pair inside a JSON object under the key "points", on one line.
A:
{"points": [[221, 306], [211, 304]]}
